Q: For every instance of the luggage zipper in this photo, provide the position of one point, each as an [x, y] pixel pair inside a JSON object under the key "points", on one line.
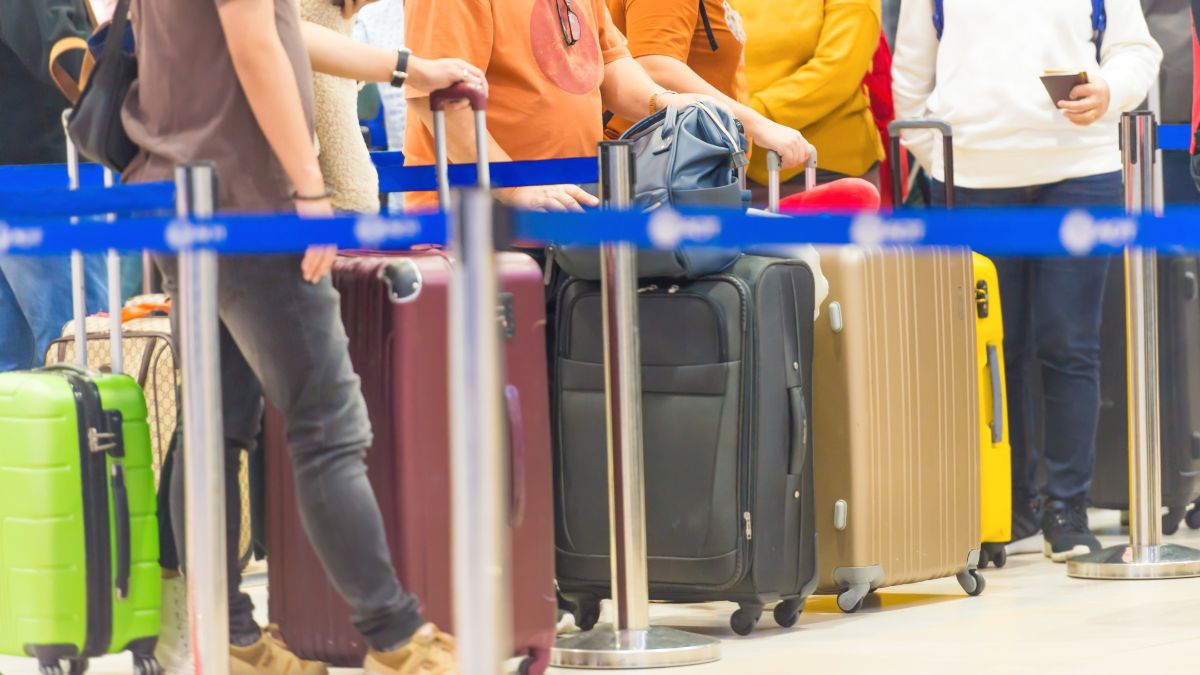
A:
{"points": [[749, 525], [97, 536], [745, 457]]}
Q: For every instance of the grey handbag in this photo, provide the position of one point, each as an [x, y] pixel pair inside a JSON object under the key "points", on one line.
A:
{"points": [[688, 157]]}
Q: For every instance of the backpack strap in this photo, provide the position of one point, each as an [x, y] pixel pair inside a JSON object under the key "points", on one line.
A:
{"points": [[1099, 24], [712, 39], [939, 18]]}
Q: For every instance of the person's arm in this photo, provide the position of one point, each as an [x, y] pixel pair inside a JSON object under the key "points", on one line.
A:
{"points": [[1129, 61], [914, 71], [335, 54], [627, 90], [848, 40], [267, 78], [676, 75], [460, 148]]}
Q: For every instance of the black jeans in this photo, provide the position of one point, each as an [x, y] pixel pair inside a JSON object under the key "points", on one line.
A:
{"points": [[283, 338], [1052, 310]]}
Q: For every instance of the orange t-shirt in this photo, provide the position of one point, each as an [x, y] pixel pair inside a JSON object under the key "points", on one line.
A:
{"points": [[544, 99], [675, 28]]}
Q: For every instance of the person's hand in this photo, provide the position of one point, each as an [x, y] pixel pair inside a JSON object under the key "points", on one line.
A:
{"points": [[1088, 102], [318, 260], [431, 75], [551, 198], [788, 142], [351, 7]]}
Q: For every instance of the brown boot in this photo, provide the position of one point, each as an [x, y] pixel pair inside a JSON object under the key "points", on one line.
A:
{"points": [[269, 656], [429, 652]]}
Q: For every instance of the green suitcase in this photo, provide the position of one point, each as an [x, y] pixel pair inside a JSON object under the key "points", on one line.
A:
{"points": [[79, 574]]}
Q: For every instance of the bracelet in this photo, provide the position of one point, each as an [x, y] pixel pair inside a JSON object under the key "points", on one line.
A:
{"points": [[297, 197], [654, 99]]}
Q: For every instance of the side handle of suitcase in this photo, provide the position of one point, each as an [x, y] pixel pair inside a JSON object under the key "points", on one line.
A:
{"points": [[775, 163], [994, 371], [438, 101], [947, 133], [516, 444]]}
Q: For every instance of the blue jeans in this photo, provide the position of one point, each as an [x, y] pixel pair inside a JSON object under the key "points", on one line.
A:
{"points": [[35, 304], [1052, 310]]}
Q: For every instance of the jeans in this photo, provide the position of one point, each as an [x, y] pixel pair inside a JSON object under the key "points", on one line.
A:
{"points": [[1052, 310], [282, 338], [35, 304]]}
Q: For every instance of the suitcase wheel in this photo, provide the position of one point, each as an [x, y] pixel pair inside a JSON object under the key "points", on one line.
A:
{"points": [[50, 668], [972, 582], [993, 553], [1193, 517], [146, 665], [585, 609], [745, 619], [788, 611], [534, 664], [77, 666], [851, 599]]}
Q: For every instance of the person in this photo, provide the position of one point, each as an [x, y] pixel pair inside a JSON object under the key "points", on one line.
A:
{"points": [[35, 292], [1171, 26], [697, 46], [553, 67], [1014, 145], [249, 111], [805, 63]]}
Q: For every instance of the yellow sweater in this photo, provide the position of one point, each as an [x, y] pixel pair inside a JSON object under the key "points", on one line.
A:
{"points": [[805, 61]]}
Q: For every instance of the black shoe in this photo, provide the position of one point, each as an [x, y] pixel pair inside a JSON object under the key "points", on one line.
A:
{"points": [[1026, 517], [1066, 527]]}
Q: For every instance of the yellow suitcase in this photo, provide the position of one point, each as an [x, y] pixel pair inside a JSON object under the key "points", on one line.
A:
{"points": [[995, 466]]}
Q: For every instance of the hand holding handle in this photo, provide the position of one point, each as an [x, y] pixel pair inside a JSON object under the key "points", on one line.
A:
{"points": [[458, 92]]}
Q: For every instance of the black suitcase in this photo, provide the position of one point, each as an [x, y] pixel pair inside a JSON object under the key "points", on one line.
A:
{"points": [[1179, 387], [727, 390]]}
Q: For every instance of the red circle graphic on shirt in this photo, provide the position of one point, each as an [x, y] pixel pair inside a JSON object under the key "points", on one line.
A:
{"points": [[574, 69]]}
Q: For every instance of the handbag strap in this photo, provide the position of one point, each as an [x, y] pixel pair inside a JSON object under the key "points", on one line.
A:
{"points": [[116, 32]]}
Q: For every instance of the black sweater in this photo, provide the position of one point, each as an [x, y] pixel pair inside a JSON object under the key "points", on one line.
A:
{"points": [[30, 104]]}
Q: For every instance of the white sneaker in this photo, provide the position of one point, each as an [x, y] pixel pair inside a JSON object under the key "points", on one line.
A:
{"points": [[174, 650]]}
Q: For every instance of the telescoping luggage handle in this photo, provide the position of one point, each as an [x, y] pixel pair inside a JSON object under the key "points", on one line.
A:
{"points": [[437, 103], [775, 163], [115, 447], [899, 180]]}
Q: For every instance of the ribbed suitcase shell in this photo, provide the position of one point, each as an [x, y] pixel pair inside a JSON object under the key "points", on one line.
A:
{"points": [[47, 602], [399, 349], [896, 420], [995, 467], [1179, 384]]}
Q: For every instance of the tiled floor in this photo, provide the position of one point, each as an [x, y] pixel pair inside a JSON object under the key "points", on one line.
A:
{"points": [[1031, 619]]}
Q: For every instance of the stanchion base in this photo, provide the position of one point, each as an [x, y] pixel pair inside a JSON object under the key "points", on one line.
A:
{"points": [[1167, 561], [657, 647]]}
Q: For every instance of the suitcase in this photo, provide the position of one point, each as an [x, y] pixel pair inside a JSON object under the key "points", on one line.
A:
{"points": [[395, 309], [995, 459], [153, 361], [896, 421], [1179, 387], [76, 475]]}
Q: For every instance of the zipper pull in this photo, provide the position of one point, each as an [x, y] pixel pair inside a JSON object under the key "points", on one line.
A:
{"points": [[673, 289], [749, 525], [647, 289]]}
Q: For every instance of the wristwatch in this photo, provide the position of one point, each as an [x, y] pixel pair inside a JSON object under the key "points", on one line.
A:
{"points": [[400, 74]]}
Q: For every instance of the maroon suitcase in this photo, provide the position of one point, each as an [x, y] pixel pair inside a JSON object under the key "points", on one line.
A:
{"points": [[398, 343]]}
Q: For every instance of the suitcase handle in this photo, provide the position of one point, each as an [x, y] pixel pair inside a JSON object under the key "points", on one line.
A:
{"points": [[457, 92], [121, 511], [797, 430], [997, 425], [947, 133], [516, 447], [775, 163]]}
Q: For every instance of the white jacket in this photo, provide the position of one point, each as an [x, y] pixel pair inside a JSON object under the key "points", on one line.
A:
{"points": [[983, 78]]}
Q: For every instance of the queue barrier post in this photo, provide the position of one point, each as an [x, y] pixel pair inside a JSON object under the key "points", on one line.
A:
{"points": [[1145, 556], [203, 435], [630, 642]]}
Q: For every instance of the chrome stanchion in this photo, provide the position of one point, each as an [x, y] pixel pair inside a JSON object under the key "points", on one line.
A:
{"points": [[203, 435], [114, 294], [482, 592], [1145, 557], [630, 642]]}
